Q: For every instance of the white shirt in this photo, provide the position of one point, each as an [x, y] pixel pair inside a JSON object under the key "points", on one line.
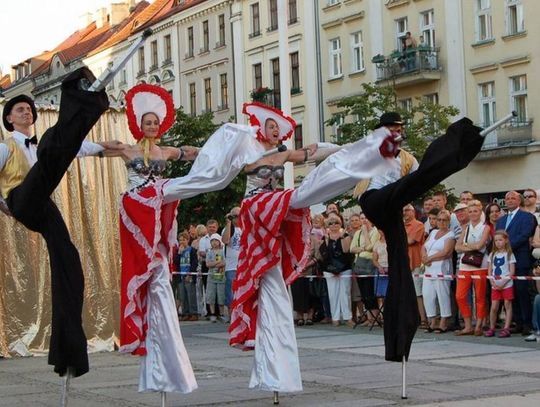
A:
{"points": [[501, 268], [204, 243], [232, 250], [30, 152], [391, 175]]}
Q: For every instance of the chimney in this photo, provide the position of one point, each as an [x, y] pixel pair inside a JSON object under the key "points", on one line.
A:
{"points": [[101, 17], [85, 19], [118, 12]]}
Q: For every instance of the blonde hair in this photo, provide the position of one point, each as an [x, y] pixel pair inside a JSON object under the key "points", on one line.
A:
{"points": [[476, 203], [201, 230], [507, 246]]}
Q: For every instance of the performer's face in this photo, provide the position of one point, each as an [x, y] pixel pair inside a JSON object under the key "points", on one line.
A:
{"points": [[21, 116], [397, 128], [150, 125], [271, 131]]}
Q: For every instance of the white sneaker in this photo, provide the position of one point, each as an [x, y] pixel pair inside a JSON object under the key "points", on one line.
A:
{"points": [[213, 318], [534, 337], [224, 319]]}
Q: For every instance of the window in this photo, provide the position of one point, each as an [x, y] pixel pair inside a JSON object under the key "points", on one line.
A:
{"points": [[484, 29], [153, 50], [192, 99], [405, 104], [332, 2], [167, 47], [273, 16], [514, 17], [335, 58], [486, 97], [295, 73], [207, 95], [337, 128], [275, 83], [141, 61], [123, 76], [255, 20], [293, 12], [221, 25], [518, 95], [427, 27], [432, 98], [357, 52], [190, 44], [257, 76], [224, 91], [298, 137], [401, 30], [206, 37]]}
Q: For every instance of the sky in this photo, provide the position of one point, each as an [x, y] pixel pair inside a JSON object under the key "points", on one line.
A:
{"points": [[29, 27]]}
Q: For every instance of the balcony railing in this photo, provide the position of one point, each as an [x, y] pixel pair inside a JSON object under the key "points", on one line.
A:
{"points": [[407, 63], [515, 134]]}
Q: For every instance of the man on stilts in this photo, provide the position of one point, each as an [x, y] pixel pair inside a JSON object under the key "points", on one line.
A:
{"points": [[28, 176]]}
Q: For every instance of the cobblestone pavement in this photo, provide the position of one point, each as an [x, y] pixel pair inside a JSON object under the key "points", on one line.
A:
{"points": [[340, 367]]}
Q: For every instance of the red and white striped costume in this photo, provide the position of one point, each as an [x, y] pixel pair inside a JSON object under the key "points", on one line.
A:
{"points": [[272, 233], [145, 223]]}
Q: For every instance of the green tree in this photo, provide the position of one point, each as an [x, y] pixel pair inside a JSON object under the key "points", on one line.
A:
{"points": [[358, 115], [194, 131]]}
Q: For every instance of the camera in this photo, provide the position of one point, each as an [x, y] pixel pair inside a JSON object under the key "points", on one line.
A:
{"points": [[230, 217]]}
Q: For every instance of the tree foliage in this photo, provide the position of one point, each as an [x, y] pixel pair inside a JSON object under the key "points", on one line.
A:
{"points": [[358, 115], [194, 131]]}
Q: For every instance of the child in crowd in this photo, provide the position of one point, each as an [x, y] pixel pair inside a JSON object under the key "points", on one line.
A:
{"points": [[380, 261], [186, 262], [215, 285], [500, 271]]}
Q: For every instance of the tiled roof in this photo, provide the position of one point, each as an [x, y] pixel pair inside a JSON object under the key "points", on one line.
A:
{"points": [[154, 10], [5, 81], [167, 13]]}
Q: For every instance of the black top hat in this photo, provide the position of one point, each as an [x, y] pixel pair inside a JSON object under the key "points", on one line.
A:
{"points": [[9, 106], [389, 118]]}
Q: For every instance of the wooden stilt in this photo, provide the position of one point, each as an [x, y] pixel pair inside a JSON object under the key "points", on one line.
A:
{"points": [[163, 399], [276, 398]]}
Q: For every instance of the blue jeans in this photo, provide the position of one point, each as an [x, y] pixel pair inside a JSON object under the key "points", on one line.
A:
{"points": [[536, 314], [230, 275]]}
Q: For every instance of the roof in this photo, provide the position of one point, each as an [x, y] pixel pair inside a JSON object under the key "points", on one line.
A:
{"points": [[140, 18], [176, 8], [5, 81]]}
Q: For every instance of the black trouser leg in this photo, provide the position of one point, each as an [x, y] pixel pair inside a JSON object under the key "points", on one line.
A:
{"points": [[68, 347], [446, 155]]}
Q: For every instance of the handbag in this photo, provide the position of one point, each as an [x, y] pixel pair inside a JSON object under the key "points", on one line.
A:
{"points": [[474, 257]]}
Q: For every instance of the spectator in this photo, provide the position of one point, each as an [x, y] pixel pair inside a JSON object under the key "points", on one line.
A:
{"points": [[192, 230], [427, 205], [437, 257], [492, 214], [520, 226], [465, 197], [431, 223], [231, 235], [303, 295], [318, 286], [535, 335], [186, 263], [501, 270], [461, 216], [410, 42], [337, 270], [212, 227], [439, 200], [380, 261], [473, 239], [332, 208], [355, 222], [362, 245], [415, 241], [422, 42], [215, 286], [317, 227], [200, 283], [529, 196]]}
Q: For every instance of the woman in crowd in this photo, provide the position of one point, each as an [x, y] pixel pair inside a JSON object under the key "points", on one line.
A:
{"points": [[318, 285], [437, 258], [492, 214], [356, 220], [471, 246], [337, 270], [362, 244], [149, 321]]}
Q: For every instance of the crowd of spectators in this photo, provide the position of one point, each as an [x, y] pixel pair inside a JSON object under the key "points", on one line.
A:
{"points": [[463, 261]]}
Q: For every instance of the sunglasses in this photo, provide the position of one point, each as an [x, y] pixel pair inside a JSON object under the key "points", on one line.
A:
{"points": [[528, 196], [442, 219], [334, 223]]}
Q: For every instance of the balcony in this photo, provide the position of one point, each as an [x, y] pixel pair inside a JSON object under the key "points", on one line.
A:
{"points": [[506, 141], [412, 67]]}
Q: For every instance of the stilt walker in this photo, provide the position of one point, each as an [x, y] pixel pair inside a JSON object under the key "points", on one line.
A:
{"points": [[383, 203]]}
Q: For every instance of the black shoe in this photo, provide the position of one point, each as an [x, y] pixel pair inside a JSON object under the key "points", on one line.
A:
{"points": [[516, 329], [526, 331]]}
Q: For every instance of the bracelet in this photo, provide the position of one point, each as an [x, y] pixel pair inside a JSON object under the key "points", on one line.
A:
{"points": [[100, 154], [182, 153], [305, 154]]}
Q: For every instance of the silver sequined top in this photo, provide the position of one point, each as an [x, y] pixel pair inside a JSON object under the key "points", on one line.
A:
{"points": [[264, 178], [140, 175]]}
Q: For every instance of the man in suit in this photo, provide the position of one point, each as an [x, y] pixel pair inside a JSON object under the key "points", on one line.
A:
{"points": [[520, 226]]}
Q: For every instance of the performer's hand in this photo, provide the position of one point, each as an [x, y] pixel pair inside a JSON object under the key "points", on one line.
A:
{"points": [[312, 149], [190, 153], [112, 145], [4, 208], [390, 145]]}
